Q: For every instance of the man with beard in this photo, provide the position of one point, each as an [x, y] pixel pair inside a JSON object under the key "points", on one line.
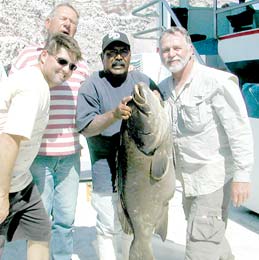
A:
{"points": [[212, 142], [102, 104]]}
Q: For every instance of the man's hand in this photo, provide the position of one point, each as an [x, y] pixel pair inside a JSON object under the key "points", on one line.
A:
{"points": [[9, 149], [103, 121], [240, 192], [122, 111], [4, 207], [156, 92]]}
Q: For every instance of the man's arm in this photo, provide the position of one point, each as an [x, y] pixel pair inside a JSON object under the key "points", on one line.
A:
{"points": [[231, 110], [101, 122], [9, 147]]}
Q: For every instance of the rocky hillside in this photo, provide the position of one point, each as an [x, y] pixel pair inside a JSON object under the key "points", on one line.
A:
{"points": [[21, 22]]}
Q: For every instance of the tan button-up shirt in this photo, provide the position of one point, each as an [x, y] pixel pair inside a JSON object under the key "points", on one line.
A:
{"points": [[211, 130]]}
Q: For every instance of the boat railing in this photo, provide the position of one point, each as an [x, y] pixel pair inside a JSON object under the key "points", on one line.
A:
{"points": [[163, 9], [154, 13], [235, 9]]}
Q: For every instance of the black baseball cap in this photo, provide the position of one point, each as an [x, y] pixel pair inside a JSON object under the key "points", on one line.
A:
{"points": [[114, 37]]}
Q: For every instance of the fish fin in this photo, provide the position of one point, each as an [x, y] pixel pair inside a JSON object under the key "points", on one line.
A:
{"points": [[159, 165], [161, 228], [123, 217]]}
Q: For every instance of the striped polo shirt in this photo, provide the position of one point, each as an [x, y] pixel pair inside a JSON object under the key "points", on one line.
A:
{"points": [[60, 137]]}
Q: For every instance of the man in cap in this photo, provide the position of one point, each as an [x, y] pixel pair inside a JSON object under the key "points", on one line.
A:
{"points": [[102, 104]]}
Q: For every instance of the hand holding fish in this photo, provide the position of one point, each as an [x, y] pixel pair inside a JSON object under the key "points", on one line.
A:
{"points": [[156, 92], [122, 111]]}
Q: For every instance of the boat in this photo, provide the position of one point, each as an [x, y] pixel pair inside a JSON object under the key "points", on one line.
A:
{"points": [[219, 46]]}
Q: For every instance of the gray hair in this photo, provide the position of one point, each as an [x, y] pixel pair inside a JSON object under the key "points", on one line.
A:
{"points": [[60, 40], [174, 30], [53, 12]]}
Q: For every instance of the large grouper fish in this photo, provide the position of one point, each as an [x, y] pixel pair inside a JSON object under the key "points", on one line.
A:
{"points": [[146, 177]]}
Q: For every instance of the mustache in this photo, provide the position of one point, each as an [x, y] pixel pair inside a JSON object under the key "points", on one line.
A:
{"points": [[174, 59], [118, 63]]}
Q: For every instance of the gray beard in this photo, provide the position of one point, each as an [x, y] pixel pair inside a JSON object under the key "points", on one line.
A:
{"points": [[180, 66]]}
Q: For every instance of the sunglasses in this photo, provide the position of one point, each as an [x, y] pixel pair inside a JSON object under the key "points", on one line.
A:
{"points": [[63, 62], [113, 53]]}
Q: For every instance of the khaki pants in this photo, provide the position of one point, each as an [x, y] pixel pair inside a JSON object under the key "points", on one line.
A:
{"points": [[206, 217]]}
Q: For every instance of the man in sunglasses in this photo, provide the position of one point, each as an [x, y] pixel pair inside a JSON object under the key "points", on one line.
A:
{"points": [[56, 169], [24, 111], [102, 104]]}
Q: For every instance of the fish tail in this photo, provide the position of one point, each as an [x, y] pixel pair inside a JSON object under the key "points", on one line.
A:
{"points": [[141, 250]]}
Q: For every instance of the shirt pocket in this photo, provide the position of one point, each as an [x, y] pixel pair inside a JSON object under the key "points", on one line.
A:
{"points": [[196, 117]]}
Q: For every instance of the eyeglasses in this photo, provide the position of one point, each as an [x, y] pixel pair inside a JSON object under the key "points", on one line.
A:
{"points": [[65, 19], [113, 53], [63, 62]]}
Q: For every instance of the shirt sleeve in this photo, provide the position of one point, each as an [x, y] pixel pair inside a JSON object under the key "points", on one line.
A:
{"points": [[22, 113], [88, 105], [231, 110]]}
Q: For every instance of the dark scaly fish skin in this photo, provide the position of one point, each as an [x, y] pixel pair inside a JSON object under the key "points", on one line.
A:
{"points": [[146, 178]]}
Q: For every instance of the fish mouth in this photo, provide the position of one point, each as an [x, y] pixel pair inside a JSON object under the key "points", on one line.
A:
{"points": [[139, 95]]}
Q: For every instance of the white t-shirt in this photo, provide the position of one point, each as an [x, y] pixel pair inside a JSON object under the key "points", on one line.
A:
{"points": [[24, 111]]}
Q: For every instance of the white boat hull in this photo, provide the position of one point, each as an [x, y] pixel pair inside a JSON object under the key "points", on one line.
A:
{"points": [[253, 202]]}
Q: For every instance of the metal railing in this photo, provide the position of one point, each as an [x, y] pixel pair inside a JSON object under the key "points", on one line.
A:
{"points": [[137, 11], [163, 6], [233, 7], [162, 3], [220, 10]]}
